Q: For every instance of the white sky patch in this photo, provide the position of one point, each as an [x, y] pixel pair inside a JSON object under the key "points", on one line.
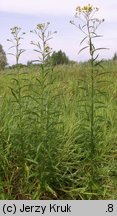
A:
{"points": [[57, 7], [36, 6]]}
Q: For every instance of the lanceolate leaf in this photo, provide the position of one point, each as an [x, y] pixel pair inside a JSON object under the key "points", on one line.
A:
{"points": [[101, 49], [97, 36], [83, 49], [83, 40], [11, 47], [98, 63], [11, 54], [14, 94]]}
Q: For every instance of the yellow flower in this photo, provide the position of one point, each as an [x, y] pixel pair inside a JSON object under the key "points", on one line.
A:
{"points": [[86, 9], [41, 26], [47, 49]]}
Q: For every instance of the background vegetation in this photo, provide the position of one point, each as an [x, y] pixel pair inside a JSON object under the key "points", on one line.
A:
{"points": [[58, 122], [3, 58], [32, 167]]}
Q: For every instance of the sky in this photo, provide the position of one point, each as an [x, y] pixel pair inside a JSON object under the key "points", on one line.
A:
{"points": [[28, 13]]}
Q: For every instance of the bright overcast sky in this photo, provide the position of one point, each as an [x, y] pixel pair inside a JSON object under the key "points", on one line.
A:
{"points": [[55, 7], [27, 13]]}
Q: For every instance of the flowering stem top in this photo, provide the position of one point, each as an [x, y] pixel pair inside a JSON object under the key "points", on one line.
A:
{"points": [[88, 24], [42, 46], [17, 37]]}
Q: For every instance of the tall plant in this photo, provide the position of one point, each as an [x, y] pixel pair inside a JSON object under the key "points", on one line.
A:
{"points": [[46, 75], [16, 42], [45, 110], [93, 106]]}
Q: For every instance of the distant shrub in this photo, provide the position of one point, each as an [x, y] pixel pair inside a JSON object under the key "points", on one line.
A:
{"points": [[17, 66], [3, 59], [58, 58], [115, 57], [29, 63]]}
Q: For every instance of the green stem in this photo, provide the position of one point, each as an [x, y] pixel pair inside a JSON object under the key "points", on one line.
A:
{"points": [[17, 48], [92, 106], [92, 87]]}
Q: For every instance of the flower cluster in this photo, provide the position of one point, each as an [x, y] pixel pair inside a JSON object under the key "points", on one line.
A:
{"points": [[86, 9], [42, 26], [15, 29], [89, 22], [43, 36], [47, 49]]}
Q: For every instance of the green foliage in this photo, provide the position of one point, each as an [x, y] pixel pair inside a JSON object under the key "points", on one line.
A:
{"points": [[115, 57], [34, 165], [29, 63], [17, 66], [93, 100], [58, 130], [58, 58], [35, 125], [3, 59]]}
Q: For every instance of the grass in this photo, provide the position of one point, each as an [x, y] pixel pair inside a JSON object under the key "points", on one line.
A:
{"points": [[44, 144]]}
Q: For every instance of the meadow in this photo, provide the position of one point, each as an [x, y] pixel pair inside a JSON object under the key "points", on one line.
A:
{"points": [[46, 147], [58, 123]]}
